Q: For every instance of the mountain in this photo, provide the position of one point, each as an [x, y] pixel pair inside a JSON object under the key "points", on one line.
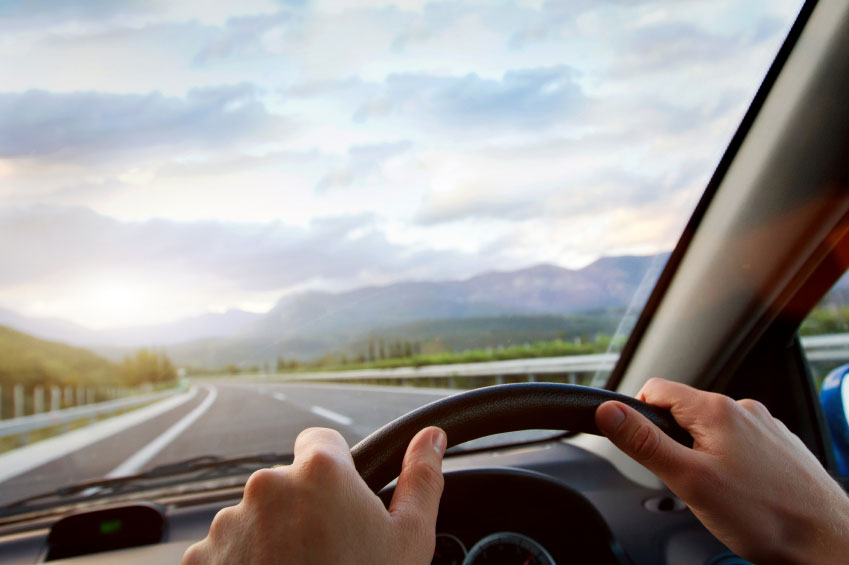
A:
{"points": [[497, 307], [610, 282]]}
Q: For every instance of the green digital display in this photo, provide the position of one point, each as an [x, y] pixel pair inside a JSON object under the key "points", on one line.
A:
{"points": [[110, 526]]}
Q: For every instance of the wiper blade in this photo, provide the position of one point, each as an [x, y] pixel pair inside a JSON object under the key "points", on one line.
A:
{"points": [[207, 467]]}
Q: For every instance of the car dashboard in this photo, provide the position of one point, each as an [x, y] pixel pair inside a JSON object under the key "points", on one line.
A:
{"points": [[542, 503]]}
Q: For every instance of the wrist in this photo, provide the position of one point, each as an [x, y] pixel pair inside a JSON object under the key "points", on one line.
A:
{"points": [[825, 537]]}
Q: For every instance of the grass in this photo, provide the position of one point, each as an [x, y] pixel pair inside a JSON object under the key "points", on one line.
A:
{"points": [[556, 348]]}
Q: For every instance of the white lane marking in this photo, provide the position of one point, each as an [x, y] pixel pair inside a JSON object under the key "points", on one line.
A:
{"points": [[141, 457], [279, 396], [331, 415], [29, 457]]}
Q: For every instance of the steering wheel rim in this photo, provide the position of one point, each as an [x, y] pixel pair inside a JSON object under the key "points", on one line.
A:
{"points": [[496, 409]]}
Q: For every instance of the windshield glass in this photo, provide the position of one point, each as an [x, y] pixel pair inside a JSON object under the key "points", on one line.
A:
{"points": [[225, 222]]}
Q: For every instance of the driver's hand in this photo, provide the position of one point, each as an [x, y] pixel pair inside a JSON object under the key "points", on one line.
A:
{"points": [[749, 480], [319, 510]]}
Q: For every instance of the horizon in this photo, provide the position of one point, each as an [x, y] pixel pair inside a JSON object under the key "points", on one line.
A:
{"points": [[160, 161], [296, 294]]}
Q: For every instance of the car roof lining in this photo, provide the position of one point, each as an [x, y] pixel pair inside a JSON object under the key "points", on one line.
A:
{"points": [[777, 211]]}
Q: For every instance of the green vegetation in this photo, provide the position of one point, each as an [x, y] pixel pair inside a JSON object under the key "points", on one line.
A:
{"points": [[147, 367], [404, 354], [826, 320], [29, 361]]}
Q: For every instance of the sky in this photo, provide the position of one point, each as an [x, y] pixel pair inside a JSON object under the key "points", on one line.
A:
{"points": [[164, 159]]}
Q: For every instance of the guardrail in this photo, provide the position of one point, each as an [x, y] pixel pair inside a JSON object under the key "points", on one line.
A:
{"points": [[533, 366], [828, 347], [24, 425], [831, 347]]}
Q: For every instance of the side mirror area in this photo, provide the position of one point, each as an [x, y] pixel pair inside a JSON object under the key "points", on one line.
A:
{"points": [[834, 398]]}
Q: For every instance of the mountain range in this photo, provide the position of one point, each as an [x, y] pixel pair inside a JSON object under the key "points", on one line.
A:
{"points": [[313, 323]]}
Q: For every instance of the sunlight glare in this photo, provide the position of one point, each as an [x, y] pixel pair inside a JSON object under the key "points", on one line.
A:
{"points": [[115, 303]]}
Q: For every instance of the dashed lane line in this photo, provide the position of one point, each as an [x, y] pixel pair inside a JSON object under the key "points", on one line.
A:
{"points": [[331, 415], [279, 396]]}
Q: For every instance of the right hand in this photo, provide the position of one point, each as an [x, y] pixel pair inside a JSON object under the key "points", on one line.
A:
{"points": [[748, 479]]}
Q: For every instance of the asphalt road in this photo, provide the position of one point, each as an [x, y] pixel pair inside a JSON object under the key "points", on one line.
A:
{"points": [[223, 418]]}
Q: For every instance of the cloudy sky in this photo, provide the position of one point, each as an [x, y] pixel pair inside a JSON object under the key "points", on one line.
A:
{"points": [[161, 159]]}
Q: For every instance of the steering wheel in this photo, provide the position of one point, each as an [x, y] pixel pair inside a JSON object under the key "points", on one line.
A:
{"points": [[493, 410]]}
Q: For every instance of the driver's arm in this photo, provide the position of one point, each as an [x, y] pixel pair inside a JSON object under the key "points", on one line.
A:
{"points": [[749, 480], [319, 510]]}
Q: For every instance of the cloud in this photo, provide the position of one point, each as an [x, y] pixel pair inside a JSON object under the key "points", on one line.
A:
{"points": [[63, 243], [362, 161], [242, 36], [565, 178], [94, 125], [564, 198], [667, 45], [32, 13], [521, 98]]}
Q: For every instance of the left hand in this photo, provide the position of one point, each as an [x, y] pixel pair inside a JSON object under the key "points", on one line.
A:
{"points": [[319, 510]]}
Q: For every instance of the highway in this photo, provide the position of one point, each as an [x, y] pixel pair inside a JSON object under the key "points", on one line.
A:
{"points": [[218, 417]]}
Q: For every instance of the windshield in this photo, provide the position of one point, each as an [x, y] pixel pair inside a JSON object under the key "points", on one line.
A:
{"points": [[225, 222]]}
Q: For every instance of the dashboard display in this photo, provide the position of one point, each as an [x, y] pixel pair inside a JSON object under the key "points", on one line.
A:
{"points": [[449, 550], [508, 548]]}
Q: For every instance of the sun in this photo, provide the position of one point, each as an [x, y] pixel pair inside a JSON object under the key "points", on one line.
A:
{"points": [[116, 303]]}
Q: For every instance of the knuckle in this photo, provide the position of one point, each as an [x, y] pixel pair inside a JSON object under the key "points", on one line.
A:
{"points": [[221, 522], [651, 384], [321, 465], [314, 434], [260, 484], [753, 406], [192, 555], [645, 442], [724, 408]]}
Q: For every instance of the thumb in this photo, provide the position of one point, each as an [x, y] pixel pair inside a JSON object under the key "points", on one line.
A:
{"points": [[416, 499], [644, 442]]}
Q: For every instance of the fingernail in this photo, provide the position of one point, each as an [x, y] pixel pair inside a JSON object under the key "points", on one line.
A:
{"points": [[440, 441], [610, 419]]}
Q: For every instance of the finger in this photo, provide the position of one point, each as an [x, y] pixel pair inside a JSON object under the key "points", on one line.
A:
{"points": [[635, 435], [667, 394], [416, 498], [684, 402], [321, 442]]}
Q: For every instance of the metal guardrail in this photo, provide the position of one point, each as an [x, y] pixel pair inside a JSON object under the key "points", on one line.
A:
{"points": [[534, 366], [831, 347], [25, 424], [828, 347]]}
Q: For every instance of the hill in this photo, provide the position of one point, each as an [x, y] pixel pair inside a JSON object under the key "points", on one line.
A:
{"points": [[28, 360], [493, 309]]}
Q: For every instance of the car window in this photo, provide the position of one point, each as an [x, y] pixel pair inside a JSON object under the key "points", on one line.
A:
{"points": [[224, 224], [824, 336], [824, 333]]}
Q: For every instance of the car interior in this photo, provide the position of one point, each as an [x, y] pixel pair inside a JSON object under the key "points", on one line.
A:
{"points": [[768, 239]]}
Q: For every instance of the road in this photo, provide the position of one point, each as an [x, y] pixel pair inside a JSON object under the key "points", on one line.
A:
{"points": [[224, 418]]}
